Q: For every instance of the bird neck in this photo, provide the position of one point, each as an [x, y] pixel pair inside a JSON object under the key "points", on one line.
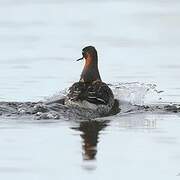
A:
{"points": [[90, 63], [90, 71]]}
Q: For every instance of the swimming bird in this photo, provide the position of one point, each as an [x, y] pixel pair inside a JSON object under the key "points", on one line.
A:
{"points": [[91, 92]]}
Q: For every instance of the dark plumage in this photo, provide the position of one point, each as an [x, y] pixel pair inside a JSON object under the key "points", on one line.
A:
{"points": [[90, 88], [96, 93]]}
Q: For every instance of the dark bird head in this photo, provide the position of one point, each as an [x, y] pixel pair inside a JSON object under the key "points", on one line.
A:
{"points": [[89, 53], [90, 72]]}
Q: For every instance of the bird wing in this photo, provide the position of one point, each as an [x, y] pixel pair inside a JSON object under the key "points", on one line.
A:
{"points": [[76, 91], [96, 93], [99, 93]]}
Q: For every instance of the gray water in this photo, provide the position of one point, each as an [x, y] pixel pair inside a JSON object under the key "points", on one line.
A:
{"points": [[138, 44]]}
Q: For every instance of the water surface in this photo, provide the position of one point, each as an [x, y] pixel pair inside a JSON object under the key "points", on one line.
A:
{"points": [[138, 41]]}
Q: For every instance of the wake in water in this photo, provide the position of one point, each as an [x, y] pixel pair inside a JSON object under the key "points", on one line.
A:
{"points": [[132, 97]]}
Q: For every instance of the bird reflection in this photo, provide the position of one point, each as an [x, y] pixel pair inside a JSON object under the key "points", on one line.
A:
{"points": [[90, 136]]}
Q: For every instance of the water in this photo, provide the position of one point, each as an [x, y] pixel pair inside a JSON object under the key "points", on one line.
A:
{"points": [[138, 44]]}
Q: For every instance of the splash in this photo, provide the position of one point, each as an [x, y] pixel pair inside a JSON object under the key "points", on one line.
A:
{"points": [[133, 97], [135, 93]]}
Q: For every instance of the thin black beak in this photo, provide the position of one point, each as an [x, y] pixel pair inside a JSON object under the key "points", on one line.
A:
{"points": [[79, 59]]}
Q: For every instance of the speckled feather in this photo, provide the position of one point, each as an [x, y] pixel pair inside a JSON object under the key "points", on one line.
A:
{"points": [[96, 92]]}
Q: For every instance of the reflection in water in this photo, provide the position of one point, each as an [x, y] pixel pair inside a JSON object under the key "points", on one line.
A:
{"points": [[90, 135]]}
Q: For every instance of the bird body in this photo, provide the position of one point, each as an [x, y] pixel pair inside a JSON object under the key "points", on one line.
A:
{"points": [[90, 92], [97, 96]]}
